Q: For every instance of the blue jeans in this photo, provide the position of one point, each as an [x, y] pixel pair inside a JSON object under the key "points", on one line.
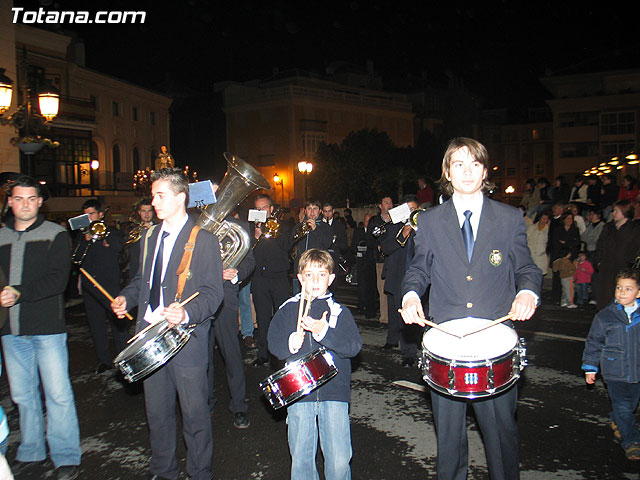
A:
{"points": [[246, 317], [624, 400], [331, 420], [582, 293], [24, 357]]}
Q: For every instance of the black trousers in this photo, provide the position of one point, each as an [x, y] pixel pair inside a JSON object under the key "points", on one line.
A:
{"points": [[399, 332], [225, 333], [367, 288], [268, 295], [497, 422], [99, 315]]}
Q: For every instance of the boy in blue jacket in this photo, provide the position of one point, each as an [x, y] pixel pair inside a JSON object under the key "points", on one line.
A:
{"points": [[325, 411], [613, 344]]}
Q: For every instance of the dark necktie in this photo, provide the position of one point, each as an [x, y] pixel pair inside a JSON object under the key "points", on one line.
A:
{"points": [[154, 295], [467, 234]]}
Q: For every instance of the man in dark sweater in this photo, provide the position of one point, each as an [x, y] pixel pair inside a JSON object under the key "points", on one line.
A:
{"points": [[35, 258]]}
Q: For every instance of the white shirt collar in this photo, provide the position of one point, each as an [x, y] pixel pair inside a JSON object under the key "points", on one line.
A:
{"points": [[473, 203], [175, 230]]}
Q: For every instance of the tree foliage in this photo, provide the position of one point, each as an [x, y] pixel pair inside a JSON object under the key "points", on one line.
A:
{"points": [[367, 165]]}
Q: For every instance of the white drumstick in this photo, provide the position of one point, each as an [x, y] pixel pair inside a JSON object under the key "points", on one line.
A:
{"points": [[435, 325]]}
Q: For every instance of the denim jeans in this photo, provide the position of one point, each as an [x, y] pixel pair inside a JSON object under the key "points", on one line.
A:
{"points": [[24, 357], [246, 317], [582, 293], [331, 421], [624, 400]]}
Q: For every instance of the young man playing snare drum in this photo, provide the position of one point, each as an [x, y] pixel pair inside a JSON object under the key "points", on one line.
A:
{"points": [[293, 334], [473, 252]]}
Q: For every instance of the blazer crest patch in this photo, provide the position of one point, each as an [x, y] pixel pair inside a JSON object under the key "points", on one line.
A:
{"points": [[495, 258]]}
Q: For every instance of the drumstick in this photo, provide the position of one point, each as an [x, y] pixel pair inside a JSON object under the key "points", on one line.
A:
{"points": [[435, 325], [154, 323], [489, 325], [101, 288], [300, 308]]}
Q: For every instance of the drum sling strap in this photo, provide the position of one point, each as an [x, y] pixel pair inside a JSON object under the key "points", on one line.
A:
{"points": [[183, 269], [185, 263]]}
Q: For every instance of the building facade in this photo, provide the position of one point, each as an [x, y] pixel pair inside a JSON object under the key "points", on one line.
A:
{"points": [[276, 123], [595, 118], [107, 128]]}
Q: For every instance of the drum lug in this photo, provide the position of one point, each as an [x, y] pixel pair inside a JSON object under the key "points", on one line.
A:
{"points": [[452, 379], [491, 382], [521, 360]]}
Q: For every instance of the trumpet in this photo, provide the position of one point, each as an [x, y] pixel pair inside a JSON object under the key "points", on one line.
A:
{"points": [[380, 230], [271, 227], [413, 223], [98, 231], [301, 231]]}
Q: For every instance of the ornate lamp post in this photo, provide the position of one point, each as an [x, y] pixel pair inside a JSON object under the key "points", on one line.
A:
{"points": [[27, 120]]}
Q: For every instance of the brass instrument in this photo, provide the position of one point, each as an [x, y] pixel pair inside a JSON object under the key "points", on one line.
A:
{"points": [[136, 232], [271, 228], [301, 231], [98, 231], [239, 181], [413, 223], [380, 230]]}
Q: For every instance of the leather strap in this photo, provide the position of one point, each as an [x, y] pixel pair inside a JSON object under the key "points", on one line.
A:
{"points": [[185, 263]]}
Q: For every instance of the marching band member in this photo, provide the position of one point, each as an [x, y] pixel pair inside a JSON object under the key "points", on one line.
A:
{"points": [[473, 252]]}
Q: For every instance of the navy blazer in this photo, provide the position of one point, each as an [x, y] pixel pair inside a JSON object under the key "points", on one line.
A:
{"points": [[205, 278], [485, 287]]}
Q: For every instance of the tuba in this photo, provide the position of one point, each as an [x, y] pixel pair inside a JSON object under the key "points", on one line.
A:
{"points": [[240, 180]]}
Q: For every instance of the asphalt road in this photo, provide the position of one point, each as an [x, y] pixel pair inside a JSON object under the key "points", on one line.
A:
{"points": [[563, 424]]}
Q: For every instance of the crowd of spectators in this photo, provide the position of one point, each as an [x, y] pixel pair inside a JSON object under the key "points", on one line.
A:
{"points": [[582, 234]]}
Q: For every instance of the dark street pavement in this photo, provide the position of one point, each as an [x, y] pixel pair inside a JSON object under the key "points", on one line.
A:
{"points": [[563, 424]]}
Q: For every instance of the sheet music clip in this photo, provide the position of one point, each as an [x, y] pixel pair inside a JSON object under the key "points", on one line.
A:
{"points": [[201, 194]]}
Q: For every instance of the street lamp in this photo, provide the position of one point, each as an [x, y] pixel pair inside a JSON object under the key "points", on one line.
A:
{"points": [[26, 120], [305, 169], [279, 181]]}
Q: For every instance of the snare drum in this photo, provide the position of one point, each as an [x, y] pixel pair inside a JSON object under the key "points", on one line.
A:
{"points": [[151, 350], [299, 378], [478, 365]]}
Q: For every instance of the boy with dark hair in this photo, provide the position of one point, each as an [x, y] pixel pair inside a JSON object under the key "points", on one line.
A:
{"points": [[325, 411], [613, 348]]}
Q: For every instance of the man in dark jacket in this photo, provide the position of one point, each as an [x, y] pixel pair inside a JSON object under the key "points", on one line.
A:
{"points": [[270, 281], [35, 256], [101, 262]]}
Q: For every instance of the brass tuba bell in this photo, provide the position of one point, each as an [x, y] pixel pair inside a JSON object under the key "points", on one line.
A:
{"points": [[240, 180]]}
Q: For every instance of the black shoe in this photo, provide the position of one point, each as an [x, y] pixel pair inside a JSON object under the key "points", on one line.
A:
{"points": [[388, 346], [259, 362], [241, 420], [67, 472], [101, 368], [18, 467], [408, 361]]}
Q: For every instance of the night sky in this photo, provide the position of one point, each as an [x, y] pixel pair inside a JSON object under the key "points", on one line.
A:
{"points": [[499, 49]]}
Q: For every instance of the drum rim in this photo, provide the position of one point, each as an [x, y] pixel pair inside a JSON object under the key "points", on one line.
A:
{"points": [[476, 394], [470, 363]]}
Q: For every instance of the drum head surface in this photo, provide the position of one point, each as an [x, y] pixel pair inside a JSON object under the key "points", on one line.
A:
{"points": [[489, 343]]}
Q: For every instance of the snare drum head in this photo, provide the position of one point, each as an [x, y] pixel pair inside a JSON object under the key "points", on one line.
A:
{"points": [[139, 342], [489, 343]]}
